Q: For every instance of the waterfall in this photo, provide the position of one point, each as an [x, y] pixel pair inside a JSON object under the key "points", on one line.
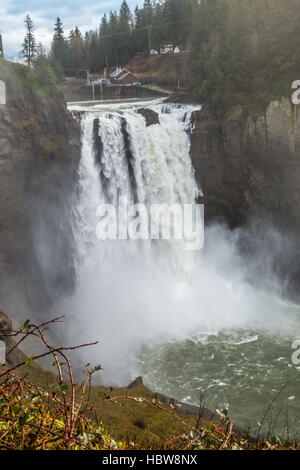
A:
{"points": [[135, 292], [122, 157], [124, 285]]}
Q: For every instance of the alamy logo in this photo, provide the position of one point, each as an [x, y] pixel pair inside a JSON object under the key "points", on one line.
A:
{"points": [[154, 222], [2, 353], [296, 354], [296, 94], [2, 92]]}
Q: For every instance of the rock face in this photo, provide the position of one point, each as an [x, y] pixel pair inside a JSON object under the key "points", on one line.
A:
{"points": [[39, 155], [249, 169], [138, 382], [150, 116]]}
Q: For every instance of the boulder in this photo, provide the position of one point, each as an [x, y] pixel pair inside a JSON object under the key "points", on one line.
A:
{"points": [[150, 116], [138, 382]]}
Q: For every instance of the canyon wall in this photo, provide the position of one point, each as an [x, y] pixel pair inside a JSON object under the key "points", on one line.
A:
{"points": [[249, 166], [39, 154]]}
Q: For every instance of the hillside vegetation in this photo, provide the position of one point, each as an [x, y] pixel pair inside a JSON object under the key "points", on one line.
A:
{"points": [[169, 70], [21, 80], [245, 52]]}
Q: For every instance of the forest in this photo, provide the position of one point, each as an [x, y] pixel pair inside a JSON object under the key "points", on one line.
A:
{"points": [[240, 51], [245, 51], [124, 34]]}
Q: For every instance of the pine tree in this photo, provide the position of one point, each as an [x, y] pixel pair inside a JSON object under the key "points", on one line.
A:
{"points": [[113, 37], [104, 41], [29, 45], [77, 58], [58, 47], [40, 58], [125, 33]]}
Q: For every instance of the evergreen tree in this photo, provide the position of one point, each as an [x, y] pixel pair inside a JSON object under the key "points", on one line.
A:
{"points": [[113, 38], [29, 45], [104, 41], [159, 30], [125, 34], [241, 51], [139, 32], [41, 57], [76, 51], [59, 46]]}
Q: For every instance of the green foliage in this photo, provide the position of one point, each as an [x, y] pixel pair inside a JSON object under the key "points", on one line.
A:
{"points": [[29, 48], [59, 44], [28, 422], [20, 80], [245, 51], [26, 325], [29, 360]]}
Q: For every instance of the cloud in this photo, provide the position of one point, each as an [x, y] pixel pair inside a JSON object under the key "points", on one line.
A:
{"points": [[84, 14]]}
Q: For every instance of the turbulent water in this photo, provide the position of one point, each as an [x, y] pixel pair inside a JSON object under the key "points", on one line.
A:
{"points": [[191, 323]]}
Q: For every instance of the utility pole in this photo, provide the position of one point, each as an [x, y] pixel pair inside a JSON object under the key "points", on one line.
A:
{"points": [[1, 46], [88, 77], [149, 38]]}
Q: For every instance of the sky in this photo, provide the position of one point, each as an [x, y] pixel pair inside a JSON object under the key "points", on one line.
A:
{"points": [[86, 14]]}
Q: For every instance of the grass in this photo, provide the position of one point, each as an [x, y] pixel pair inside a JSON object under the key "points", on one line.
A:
{"points": [[127, 420], [21, 80]]}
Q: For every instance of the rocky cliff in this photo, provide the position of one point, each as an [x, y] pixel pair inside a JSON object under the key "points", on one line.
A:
{"points": [[39, 153], [249, 167], [249, 170]]}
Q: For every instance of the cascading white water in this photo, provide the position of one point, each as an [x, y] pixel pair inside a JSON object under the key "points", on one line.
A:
{"points": [[120, 281], [183, 307], [122, 157]]}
